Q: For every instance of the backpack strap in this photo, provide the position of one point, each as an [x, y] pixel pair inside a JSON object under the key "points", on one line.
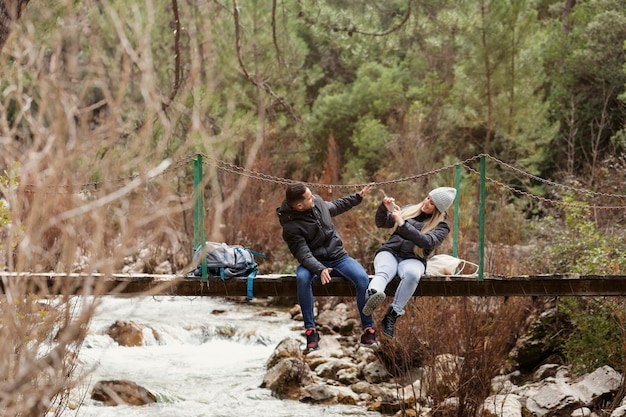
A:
{"points": [[259, 254], [249, 283], [251, 276]]}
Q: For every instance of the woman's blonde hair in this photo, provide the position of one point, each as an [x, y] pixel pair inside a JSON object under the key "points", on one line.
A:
{"points": [[415, 210]]}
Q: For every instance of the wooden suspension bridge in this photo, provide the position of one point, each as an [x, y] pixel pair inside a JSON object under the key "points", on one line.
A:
{"points": [[285, 285], [483, 284]]}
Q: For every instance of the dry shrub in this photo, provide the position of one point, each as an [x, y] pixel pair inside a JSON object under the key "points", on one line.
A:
{"points": [[41, 340], [464, 341], [84, 133], [252, 221]]}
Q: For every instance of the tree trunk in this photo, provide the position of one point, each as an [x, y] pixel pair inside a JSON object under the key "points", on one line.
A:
{"points": [[10, 11], [567, 10]]}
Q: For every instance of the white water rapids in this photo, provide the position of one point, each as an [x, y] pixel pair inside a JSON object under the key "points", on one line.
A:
{"points": [[207, 359]]}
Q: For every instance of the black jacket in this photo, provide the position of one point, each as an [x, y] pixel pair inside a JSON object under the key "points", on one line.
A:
{"points": [[409, 235], [311, 235]]}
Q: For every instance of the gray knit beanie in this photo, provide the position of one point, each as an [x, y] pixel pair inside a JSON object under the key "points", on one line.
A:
{"points": [[442, 197]]}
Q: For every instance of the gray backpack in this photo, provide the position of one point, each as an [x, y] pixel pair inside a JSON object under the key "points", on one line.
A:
{"points": [[227, 261]]}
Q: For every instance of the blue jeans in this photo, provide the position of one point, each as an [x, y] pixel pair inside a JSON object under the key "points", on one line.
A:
{"points": [[387, 266], [346, 267]]}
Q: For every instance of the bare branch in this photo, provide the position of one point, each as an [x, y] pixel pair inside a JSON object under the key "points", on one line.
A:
{"points": [[352, 29], [278, 53], [177, 66], [263, 85]]}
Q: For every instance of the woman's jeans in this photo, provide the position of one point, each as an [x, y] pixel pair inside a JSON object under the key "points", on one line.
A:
{"points": [[346, 267], [387, 266]]}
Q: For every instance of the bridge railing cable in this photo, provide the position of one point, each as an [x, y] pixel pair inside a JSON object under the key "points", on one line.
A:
{"points": [[238, 170], [187, 160], [232, 168], [555, 184], [228, 167], [553, 201]]}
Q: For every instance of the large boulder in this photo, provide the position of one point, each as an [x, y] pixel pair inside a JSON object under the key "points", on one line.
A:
{"points": [[559, 395], [540, 341], [286, 377], [338, 319], [287, 348], [121, 392], [554, 393], [126, 333]]}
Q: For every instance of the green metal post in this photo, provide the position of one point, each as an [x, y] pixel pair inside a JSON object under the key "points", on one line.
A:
{"points": [[457, 185], [198, 214], [481, 222], [196, 220]]}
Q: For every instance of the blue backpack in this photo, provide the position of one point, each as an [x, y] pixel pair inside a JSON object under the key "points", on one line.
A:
{"points": [[227, 261]]}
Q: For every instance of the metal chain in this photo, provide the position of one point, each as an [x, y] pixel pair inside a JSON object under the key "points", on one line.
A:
{"points": [[93, 186], [567, 187], [238, 170], [244, 172], [232, 168], [543, 199]]}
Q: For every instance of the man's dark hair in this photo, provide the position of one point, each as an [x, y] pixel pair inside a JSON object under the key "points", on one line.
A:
{"points": [[295, 193]]}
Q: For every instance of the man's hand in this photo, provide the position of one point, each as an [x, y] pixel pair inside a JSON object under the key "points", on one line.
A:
{"points": [[366, 189], [325, 276]]}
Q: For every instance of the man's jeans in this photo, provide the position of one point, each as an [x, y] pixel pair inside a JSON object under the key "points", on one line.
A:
{"points": [[346, 267]]}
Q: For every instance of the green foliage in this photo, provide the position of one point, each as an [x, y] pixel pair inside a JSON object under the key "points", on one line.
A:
{"points": [[585, 64], [402, 87], [596, 339], [360, 115], [578, 247], [369, 137], [5, 215], [498, 94], [7, 180]]}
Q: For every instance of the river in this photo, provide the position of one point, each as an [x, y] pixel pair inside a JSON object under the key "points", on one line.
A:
{"points": [[206, 360]]}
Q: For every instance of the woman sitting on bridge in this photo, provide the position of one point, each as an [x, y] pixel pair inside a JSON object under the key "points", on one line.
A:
{"points": [[418, 229]]}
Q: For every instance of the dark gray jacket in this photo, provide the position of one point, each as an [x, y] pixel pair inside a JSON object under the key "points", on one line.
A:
{"points": [[311, 235], [409, 235]]}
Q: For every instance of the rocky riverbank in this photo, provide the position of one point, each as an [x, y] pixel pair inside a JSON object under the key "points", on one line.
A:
{"points": [[344, 372]]}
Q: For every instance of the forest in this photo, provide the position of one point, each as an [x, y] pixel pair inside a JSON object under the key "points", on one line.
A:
{"points": [[106, 104], [333, 93]]}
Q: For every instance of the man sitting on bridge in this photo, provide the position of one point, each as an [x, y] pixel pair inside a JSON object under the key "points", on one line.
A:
{"points": [[314, 242]]}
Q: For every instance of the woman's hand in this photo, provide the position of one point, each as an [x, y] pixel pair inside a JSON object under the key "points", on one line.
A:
{"points": [[397, 215], [394, 209], [390, 203]]}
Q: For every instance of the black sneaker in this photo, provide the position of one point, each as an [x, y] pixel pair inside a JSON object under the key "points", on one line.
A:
{"points": [[312, 339], [389, 322], [368, 338], [373, 299]]}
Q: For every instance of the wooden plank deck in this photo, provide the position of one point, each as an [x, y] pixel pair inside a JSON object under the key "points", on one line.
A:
{"points": [[284, 285]]}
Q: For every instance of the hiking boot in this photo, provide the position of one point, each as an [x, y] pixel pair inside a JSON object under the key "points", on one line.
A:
{"points": [[312, 339], [389, 322], [368, 338], [373, 299]]}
